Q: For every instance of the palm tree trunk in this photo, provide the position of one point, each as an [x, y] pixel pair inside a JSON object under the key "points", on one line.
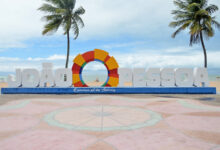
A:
{"points": [[68, 49], [204, 50]]}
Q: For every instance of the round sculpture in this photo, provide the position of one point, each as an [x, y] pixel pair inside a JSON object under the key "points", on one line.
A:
{"points": [[97, 55]]}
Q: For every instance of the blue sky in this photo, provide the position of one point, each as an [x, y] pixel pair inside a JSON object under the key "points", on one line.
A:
{"points": [[136, 33]]}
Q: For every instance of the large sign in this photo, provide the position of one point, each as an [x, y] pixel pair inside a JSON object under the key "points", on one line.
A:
{"points": [[117, 77]]}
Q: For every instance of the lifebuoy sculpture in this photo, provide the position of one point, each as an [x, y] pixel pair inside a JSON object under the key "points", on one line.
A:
{"points": [[96, 55]]}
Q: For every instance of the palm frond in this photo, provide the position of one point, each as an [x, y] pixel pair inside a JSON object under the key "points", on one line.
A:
{"points": [[79, 20], [178, 12], [177, 32], [67, 25], [52, 17], [79, 11], [209, 32], [216, 23], [48, 8], [51, 9], [194, 39], [182, 5], [195, 28], [193, 7], [201, 14], [211, 9], [183, 27], [71, 4], [57, 3], [178, 23], [75, 29], [52, 26], [203, 3], [182, 16]]}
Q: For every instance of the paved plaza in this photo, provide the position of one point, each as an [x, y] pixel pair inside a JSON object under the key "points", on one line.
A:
{"points": [[109, 122]]}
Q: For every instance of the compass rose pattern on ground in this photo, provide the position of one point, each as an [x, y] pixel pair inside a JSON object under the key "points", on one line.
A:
{"points": [[110, 123]]}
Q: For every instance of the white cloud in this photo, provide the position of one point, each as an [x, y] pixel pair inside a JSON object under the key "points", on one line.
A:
{"points": [[139, 18], [113, 18], [5, 44], [121, 45], [50, 58], [5, 59], [145, 60], [20, 19], [136, 59], [103, 18], [179, 50]]}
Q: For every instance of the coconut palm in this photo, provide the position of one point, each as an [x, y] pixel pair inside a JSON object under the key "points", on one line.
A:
{"points": [[195, 15], [62, 13]]}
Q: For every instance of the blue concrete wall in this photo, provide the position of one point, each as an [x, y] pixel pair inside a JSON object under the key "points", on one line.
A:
{"points": [[144, 90]]}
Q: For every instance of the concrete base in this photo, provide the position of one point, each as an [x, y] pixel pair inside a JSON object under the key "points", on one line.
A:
{"points": [[100, 90]]}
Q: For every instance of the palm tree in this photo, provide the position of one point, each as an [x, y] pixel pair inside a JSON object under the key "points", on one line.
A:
{"points": [[195, 15], [62, 13]]}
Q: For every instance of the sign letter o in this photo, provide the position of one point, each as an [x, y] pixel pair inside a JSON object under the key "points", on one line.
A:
{"points": [[97, 55]]}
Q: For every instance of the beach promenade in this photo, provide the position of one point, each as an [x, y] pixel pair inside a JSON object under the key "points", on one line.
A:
{"points": [[109, 122]]}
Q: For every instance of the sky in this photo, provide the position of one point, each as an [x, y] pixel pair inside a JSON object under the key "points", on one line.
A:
{"points": [[136, 33]]}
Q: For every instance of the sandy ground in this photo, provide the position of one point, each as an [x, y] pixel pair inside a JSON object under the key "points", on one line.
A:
{"points": [[95, 84], [109, 122], [215, 84], [3, 84]]}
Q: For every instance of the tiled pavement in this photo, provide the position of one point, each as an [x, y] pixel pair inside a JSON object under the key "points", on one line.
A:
{"points": [[109, 123]]}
